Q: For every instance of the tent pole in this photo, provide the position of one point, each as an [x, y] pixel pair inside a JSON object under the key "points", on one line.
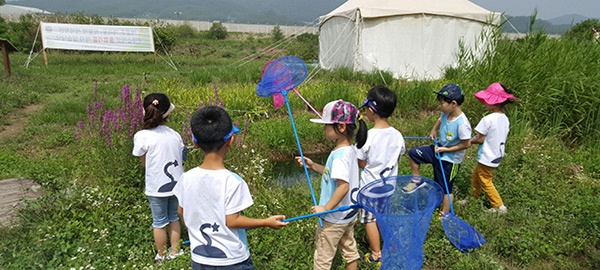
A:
{"points": [[357, 23]]}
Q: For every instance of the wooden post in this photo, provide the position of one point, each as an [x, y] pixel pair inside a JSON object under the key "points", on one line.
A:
{"points": [[45, 56], [43, 49], [7, 47], [6, 60]]}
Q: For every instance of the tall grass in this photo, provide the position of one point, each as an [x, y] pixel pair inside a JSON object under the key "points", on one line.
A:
{"points": [[94, 193], [555, 79]]}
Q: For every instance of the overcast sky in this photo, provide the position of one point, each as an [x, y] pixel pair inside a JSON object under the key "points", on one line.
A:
{"points": [[547, 9]]}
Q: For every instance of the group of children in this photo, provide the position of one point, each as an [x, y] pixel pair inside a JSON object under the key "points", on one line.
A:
{"points": [[360, 156]]}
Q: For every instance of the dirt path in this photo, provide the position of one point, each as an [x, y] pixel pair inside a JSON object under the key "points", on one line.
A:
{"points": [[17, 120], [14, 190]]}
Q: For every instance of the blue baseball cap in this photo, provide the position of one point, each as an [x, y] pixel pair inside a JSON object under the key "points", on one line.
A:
{"points": [[451, 91]]}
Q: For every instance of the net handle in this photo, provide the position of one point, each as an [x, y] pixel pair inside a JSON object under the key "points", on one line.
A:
{"points": [[339, 209], [424, 138], [439, 157]]}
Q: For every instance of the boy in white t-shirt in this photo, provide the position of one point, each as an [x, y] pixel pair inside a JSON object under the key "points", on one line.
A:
{"points": [[212, 197], [378, 157], [492, 131]]}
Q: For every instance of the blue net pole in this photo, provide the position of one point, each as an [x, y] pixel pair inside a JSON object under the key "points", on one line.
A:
{"points": [[289, 109]]}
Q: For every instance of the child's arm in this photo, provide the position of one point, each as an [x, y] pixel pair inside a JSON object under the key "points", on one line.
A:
{"points": [[180, 213], [143, 160], [362, 163], [434, 129], [464, 144], [478, 139], [237, 221], [340, 191], [311, 165]]}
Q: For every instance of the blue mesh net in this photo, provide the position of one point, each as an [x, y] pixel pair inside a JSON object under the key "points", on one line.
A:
{"points": [[403, 218], [462, 235], [281, 74]]}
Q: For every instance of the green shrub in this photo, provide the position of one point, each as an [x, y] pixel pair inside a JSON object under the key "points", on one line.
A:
{"points": [[217, 31], [276, 33], [583, 31]]}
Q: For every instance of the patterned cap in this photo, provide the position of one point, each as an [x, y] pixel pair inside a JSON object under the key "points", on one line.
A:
{"points": [[338, 111]]}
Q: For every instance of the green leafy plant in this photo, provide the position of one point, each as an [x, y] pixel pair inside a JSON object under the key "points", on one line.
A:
{"points": [[217, 31]]}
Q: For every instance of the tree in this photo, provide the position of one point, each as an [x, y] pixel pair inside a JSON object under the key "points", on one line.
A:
{"points": [[276, 33], [217, 31], [585, 30]]}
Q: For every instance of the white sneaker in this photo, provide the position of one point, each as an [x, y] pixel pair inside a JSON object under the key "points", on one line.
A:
{"points": [[500, 210], [158, 259], [171, 256], [414, 184]]}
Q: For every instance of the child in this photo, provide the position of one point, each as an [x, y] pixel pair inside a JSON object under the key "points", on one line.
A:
{"points": [[339, 184], [455, 137], [379, 156], [491, 137], [211, 198], [160, 149]]}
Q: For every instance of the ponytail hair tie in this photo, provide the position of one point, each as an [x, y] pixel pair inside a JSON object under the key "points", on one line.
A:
{"points": [[155, 102]]}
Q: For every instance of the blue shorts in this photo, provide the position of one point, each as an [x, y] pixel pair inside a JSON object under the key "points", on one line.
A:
{"points": [[164, 210], [245, 265], [426, 155]]}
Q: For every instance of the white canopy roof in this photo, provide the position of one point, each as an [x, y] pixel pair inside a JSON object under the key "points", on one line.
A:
{"points": [[383, 8], [413, 39]]}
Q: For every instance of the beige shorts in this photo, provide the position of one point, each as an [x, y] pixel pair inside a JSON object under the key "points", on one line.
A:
{"points": [[329, 238]]}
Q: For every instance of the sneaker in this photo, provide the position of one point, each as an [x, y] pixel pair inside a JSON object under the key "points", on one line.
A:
{"points": [[171, 256], [499, 210], [158, 259], [368, 258], [415, 183]]}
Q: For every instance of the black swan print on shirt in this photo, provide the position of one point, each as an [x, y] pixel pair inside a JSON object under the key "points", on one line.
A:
{"points": [[353, 199], [208, 250], [169, 186], [497, 160]]}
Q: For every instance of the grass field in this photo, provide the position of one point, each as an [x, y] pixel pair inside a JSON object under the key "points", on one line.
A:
{"points": [[94, 214]]}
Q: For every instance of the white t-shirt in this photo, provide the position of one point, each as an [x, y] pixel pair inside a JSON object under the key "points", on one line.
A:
{"points": [[382, 150], [206, 197], [163, 148], [451, 133], [495, 127], [341, 164]]}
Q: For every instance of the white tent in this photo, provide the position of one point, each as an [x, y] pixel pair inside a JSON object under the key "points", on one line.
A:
{"points": [[412, 39]]}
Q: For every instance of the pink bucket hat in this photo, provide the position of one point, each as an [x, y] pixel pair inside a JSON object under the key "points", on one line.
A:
{"points": [[494, 94]]}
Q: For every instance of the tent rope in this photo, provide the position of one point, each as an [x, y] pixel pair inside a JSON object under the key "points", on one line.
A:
{"points": [[29, 58], [169, 61], [511, 25], [280, 44]]}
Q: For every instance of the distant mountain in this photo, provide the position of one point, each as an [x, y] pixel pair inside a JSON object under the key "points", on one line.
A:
{"points": [[521, 24], [235, 11], [570, 19]]}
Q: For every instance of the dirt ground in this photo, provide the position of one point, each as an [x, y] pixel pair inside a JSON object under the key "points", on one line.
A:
{"points": [[16, 190]]}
